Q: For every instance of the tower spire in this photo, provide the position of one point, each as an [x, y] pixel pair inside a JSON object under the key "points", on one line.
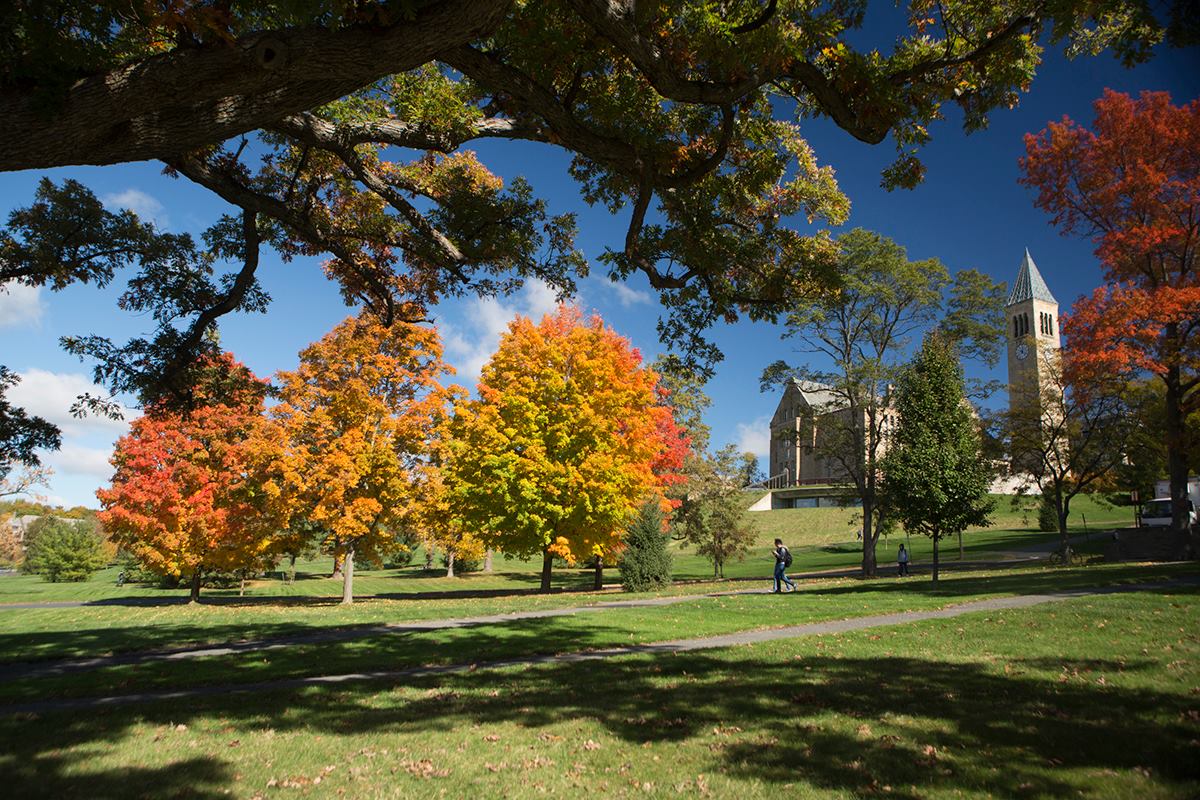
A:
{"points": [[1029, 284]]}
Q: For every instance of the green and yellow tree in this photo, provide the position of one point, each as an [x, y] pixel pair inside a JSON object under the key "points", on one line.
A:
{"points": [[355, 426], [568, 437]]}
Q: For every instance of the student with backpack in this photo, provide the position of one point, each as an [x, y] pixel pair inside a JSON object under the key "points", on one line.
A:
{"points": [[783, 560]]}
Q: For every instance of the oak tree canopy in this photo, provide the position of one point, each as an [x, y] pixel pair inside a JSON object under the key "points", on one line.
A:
{"points": [[342, 128]]}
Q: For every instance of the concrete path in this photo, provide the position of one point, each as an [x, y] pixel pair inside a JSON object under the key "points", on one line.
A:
{"points": [[657, 648]]}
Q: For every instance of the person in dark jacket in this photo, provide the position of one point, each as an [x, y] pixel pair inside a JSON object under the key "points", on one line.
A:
{"points": [[783, 560]]}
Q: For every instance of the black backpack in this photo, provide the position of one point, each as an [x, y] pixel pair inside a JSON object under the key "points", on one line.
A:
{"points": [[787, 557]]}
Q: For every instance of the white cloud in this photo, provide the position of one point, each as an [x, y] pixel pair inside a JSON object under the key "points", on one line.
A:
{"points": [[627, 296], [140, 203], [754, 437], [50, 395], [470, 346], [73, 459], [20, 305]]}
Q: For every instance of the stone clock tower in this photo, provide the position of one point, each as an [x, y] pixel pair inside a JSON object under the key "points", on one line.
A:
{"points": [[1033, 339]]}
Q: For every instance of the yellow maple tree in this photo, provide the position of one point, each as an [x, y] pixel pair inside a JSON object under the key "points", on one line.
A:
{"points": [[354, 431]]}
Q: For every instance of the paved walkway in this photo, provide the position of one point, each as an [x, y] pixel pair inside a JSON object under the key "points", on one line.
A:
{"points": [[658, 648]]}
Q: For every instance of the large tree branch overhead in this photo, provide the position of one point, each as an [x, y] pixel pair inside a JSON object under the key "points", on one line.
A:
{"points": [[190, 98]]}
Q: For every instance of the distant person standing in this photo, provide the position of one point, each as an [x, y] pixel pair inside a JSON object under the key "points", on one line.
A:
{"points": [[783, 560], [902, 561]]}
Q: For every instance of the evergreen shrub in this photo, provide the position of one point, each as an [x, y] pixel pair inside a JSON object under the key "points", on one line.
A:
{"points": [[646, 563]]}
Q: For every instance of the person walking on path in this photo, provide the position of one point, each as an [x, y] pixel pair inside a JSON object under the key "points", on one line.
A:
{"points": [[783, 560], [902, 562]]}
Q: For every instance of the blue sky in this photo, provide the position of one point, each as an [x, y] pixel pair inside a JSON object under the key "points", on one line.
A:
{"points": [[970, 213]]}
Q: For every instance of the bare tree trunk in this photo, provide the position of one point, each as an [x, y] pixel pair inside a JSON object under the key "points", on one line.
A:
{"points": [[242, 584], [194, 597], [348, 577], [599, 584], [1177, 467], [869, 564], [449, 563], [487, 560], [547, 565], [935, 559]]}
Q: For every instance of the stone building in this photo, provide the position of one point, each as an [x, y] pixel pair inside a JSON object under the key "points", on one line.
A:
{"points": [[807, 415]]}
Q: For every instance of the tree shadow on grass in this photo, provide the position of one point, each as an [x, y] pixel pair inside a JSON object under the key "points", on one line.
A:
{"points": [[846, 724], [1022, 582]]}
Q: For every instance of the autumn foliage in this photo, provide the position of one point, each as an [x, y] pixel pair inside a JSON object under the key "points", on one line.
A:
{"points": [[355, 424], [185, 498], [567, 439], [1132, 184]]}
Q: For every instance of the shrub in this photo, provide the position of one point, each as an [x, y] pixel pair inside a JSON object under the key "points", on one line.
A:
{"points": [[646, 564], [64, 551], [1047, 514]]}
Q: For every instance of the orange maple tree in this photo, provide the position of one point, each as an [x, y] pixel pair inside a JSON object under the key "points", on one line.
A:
{"points": [[185, 497], [1133, 185], [355, 428], [568, 437]]}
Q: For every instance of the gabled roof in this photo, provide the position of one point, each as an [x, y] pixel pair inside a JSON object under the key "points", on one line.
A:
{"points": [[1029, 284], [818, 395]]}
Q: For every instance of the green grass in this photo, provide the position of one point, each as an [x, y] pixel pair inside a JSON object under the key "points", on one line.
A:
{"points": [[1094, 697], [62, 634], [820, 539]]}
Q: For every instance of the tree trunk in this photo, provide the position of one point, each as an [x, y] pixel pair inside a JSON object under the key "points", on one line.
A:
{"points": [[242, 585], [338, 562], [935, 559], [869, 536], [599, 584], [348, 577], [449, 563], [1177, 467], [487, 560], [547, 565], [429, 556], [194, 597], [291, 569], [960, 546]]}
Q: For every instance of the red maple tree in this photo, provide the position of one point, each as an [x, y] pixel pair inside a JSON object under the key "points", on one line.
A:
{"points": [[185, 499], [1132, 184]]}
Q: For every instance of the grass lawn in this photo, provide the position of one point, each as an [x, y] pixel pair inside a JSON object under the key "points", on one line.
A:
{"points": [[1094, 697], [820, 539], [81, 632]]}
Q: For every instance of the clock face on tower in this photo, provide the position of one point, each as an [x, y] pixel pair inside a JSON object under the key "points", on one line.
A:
{"points": [[1022, 351]]}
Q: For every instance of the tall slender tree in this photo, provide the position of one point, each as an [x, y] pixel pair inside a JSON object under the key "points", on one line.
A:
{"points": [[934, 474], [864, 329]]}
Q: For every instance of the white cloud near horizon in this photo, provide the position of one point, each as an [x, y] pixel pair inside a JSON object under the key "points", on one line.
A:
{"points": [[628, 297], [471, 345], [755, 437], [20, 305], [50, 395], [74, 459], [146, 206]]}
